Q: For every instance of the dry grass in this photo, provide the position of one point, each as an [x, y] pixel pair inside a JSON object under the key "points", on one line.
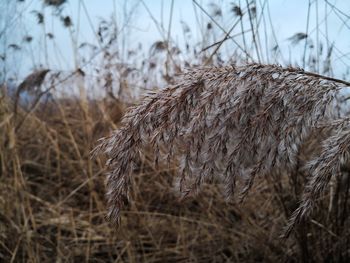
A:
{"points": [[52, 200], [52, 204], [52, 194]]}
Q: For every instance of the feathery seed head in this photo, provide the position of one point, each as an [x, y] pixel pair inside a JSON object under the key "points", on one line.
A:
{"points": [[232, 123]]}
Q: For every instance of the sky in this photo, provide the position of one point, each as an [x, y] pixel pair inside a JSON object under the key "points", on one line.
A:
{"points": [[145, 22]]}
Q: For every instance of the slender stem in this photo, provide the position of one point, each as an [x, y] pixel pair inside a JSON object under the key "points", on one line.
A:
{"points": [[326, 78], [220, 43], [168, 38], [307, 32], [219, 26], [253, 32], [242, 29], [312, 74]]}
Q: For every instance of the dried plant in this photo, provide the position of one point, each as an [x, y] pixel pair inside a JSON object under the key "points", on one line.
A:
{"points": [[33, 81], [335, 152], [32, 84], [297, 37], [55, 3], [231, 123]]}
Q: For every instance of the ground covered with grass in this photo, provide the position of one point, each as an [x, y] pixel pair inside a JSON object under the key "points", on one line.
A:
{"points": [[52, 204]]}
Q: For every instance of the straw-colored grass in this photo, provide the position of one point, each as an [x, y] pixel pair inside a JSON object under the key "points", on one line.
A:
{"points": [[52, 204]]}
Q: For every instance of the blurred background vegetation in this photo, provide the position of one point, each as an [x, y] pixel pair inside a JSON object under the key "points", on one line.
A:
{"points": [[68, 70]]}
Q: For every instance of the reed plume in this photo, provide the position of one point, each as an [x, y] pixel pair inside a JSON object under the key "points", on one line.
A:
{"points": [[234, 123]]}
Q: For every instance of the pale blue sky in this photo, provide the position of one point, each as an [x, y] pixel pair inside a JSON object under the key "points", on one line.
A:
{"points": [[289, 17]]}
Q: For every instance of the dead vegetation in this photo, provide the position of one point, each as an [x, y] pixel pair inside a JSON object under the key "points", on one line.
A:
{"points": [[205, 122], [53, 195]]}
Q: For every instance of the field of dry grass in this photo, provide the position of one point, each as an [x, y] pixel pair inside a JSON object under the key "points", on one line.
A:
{"points": [[52, 201], [53, 204]]}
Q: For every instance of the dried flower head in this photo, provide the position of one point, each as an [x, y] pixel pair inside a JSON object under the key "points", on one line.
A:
{"points": [[231, 123], [33, 81], [55, 3]]}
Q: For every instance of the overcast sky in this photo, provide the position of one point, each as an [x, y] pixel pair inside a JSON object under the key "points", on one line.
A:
{"points": [[288, 18]]}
